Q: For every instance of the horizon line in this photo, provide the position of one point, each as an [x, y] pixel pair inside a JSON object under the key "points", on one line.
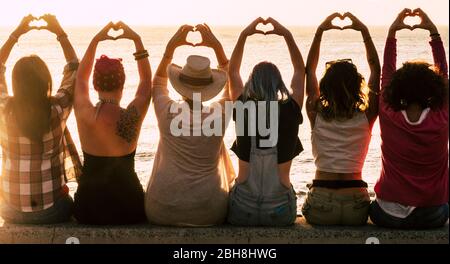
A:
{"points": [[215, 25]]}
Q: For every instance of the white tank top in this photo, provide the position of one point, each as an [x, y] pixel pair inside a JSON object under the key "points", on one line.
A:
{"points": [[340, 146]]}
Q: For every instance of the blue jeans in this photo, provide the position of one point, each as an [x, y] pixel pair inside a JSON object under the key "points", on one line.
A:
{"points": [[420, 218], [61, 211], [243, 211]]}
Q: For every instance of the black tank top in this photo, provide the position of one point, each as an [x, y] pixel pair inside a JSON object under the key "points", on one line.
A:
{"points": [[288, 145], [109, 191], [96, 168]]}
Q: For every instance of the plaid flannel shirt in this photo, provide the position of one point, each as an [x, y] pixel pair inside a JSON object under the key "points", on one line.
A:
{"points": [[34, 175]]}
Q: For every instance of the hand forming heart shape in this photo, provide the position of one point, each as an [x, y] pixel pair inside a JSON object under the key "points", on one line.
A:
{"points": [[194, 37], [38, 23], [342, 19], [265, 26], [262, 26], [342, 22], [200, 35], [47, 22], [412, 20], [115, 32]]}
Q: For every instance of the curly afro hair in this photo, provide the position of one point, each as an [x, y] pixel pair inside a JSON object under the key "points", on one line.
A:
{"points": [[416, 83]]}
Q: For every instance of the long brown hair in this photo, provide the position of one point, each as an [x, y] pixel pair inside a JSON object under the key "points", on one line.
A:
{"points": [[341, 92], [31, 106]]}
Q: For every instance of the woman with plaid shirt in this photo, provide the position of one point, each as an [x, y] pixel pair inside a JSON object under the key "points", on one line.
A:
{"points": [[38, 152]]}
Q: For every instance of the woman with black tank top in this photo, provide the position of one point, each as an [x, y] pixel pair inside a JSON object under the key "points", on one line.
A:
{"points": [[263, 194], [109, 191]]}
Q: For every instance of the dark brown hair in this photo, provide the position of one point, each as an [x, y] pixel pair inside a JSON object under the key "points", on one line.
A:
{"points": [[341, 94], [31, 106], [416, 83]]}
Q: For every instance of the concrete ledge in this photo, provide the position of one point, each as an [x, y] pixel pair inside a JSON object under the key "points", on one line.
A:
{"points": [[300, 233]]}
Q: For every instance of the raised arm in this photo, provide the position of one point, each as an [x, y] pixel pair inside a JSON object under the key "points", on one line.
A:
{"points": [[65, 94], [298, 79], [54, 27], [144, 91], [440, 60], [160, 92], [390, 49], [374, 66], [312, 85], [177, 40], [85, 68], [210, 40], [5, 51], [236, 84]]}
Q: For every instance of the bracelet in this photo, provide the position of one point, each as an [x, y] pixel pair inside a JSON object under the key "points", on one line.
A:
{"points": [[139, 55], [435, 35], [63, 35]]}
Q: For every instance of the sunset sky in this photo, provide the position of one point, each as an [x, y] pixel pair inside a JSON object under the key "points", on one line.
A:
{"points": [[228, 12]]}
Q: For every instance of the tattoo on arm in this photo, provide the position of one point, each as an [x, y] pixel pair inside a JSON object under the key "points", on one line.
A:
{"points": [[127, 126]]}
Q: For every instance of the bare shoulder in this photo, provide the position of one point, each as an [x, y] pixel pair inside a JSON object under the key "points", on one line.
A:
{"points": [[128, 124]]}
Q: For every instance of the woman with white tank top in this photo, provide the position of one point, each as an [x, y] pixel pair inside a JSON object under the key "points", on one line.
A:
{"points": [[341, 116]]}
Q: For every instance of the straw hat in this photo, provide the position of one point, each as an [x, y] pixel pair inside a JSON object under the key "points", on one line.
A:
{"points": [[197, 77]]}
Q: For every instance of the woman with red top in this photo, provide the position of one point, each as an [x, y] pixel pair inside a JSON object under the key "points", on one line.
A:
{"points": [[412, 191]]}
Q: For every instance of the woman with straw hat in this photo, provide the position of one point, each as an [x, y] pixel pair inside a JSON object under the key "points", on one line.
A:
{"points": [[192, 172]]}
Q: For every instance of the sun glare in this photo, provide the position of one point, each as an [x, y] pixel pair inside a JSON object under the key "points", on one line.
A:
{"points": [[231, 12]]}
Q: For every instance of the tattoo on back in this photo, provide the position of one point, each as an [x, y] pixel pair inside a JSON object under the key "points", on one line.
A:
{"points": [[127, 126]]}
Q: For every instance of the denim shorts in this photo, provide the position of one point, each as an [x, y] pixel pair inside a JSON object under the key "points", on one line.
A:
{"points": [[273, 211], [323, 207]]}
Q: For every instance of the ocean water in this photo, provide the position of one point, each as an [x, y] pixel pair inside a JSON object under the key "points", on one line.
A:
{"points": [[335, 45]]}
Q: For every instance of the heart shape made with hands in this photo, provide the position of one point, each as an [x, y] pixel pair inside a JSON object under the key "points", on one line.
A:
{"points": [[342, 21], [412, 20], [194, 37], [38, 23], [265, 27], [115, 32]]}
